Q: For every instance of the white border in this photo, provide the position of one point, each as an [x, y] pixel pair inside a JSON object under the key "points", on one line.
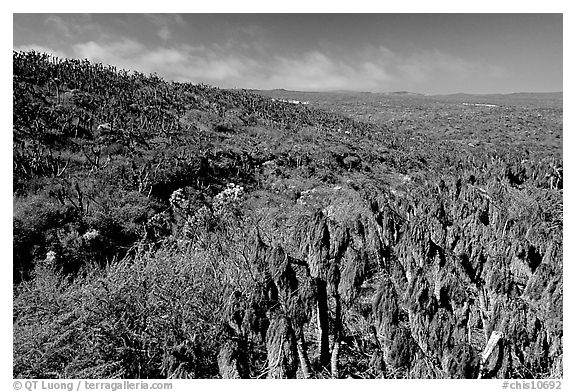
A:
{"points": [[304, 6]]}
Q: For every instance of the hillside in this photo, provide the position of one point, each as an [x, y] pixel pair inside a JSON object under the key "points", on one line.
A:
{"points": [[172, 230]]}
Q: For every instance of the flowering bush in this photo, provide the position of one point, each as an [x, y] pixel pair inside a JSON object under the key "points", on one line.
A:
{"points": [[193, 217], [229, 199], [178, 200], [90, 235]]}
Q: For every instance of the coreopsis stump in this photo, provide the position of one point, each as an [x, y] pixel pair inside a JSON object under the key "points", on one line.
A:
{"points": [[281, 348], [232, 361]]}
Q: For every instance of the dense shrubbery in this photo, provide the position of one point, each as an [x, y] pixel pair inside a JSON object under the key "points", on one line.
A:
{"points": [[176, 230]]}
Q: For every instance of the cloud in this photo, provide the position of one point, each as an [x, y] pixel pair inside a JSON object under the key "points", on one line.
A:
{"points": [[111, 52], [315, 70], [165, 23], [56, 22], [42, 49], [73, 26], [312, 70], [166, 19], [253, 66], [164, 33]]}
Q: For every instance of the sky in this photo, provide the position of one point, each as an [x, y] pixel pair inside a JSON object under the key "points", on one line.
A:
{"points": [[423, 53]]}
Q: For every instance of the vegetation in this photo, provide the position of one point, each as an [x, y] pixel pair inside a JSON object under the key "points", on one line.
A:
{"points": [[174, 230]]}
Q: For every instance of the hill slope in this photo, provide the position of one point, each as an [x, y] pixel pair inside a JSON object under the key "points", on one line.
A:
{"points": [[178, 230]]}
